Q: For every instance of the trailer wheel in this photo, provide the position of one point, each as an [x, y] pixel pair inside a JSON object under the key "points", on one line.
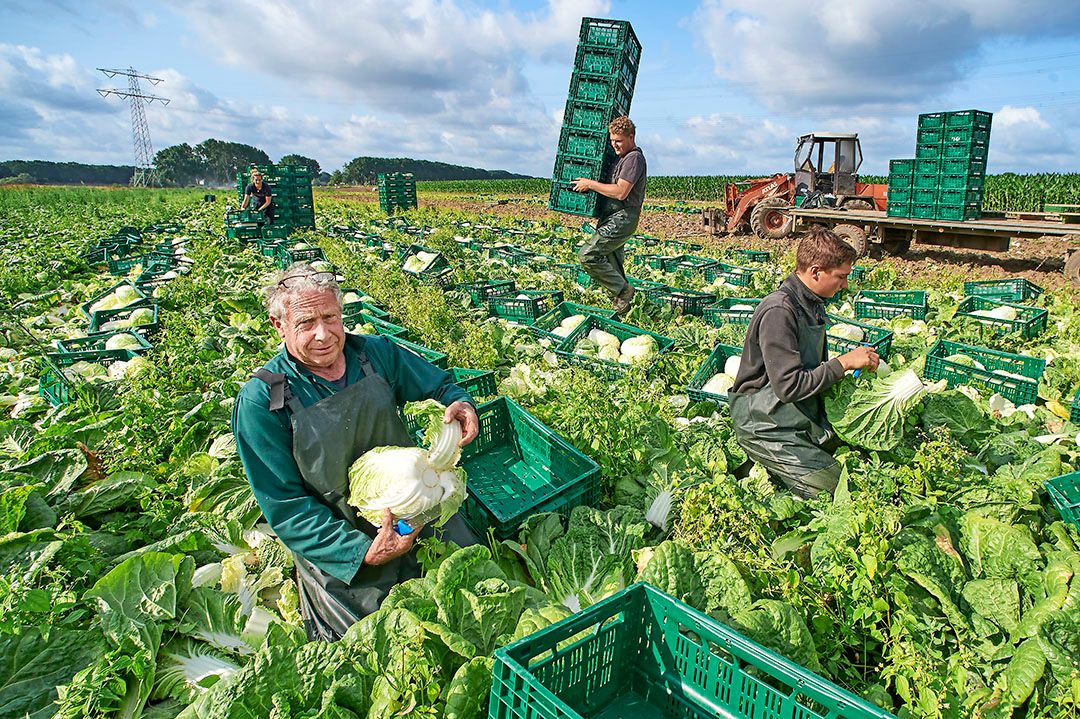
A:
{"points": [[770, 220], [1072, 267], [854, 236]]}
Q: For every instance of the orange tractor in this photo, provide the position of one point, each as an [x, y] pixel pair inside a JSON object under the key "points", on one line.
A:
{"points": [[826, 167]]}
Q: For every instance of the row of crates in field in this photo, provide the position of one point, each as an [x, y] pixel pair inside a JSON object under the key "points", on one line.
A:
{"points": [[601, 88], [944, 181], [397, 191], [294, 204]]}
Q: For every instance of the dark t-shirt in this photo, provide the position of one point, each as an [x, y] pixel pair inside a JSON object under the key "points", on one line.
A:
{"points": [[258, 196], [631, 167]]}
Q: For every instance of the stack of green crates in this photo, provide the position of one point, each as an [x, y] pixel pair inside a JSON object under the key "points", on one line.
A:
{"points": [[397, 191], [944, 181], [601, 88], [291, 184]]}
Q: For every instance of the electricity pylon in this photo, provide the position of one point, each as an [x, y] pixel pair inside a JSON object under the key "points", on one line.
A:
{"points": [[145, 174]]}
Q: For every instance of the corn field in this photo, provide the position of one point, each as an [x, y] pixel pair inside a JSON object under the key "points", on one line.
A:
{"points": [[1003, 192]]}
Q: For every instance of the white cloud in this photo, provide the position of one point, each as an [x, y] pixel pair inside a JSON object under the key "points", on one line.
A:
{"points": [[1009, 116], [790, 54]]}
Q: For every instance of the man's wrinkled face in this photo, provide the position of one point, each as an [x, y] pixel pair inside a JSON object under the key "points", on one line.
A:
{"points": [[312, 328]]}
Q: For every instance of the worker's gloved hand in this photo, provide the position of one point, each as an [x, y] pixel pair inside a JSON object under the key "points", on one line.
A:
{"points": [[464, 413], [388, 544], [860, 358]]}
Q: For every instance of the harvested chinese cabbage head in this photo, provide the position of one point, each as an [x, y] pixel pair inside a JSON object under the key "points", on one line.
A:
{"points": [[636, 350], [869, 412], [122, 341], [847, 332], [719, 384], [122, 296], [421, 485]]}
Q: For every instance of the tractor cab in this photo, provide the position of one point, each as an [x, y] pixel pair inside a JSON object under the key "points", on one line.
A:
{"points": [[827, 163]]}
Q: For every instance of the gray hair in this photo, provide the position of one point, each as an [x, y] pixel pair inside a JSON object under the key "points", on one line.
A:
{"points": [[302, 278]]}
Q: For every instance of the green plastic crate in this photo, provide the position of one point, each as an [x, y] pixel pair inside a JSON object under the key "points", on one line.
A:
{"points": [[713, 363], [477, 382], [58, 388], [564, 198], [963, 166], [544, 324], [958, 213], [382, 326], [969, 118], [1011, 289], [926, 181], [439, 359], [1029, 322], [434, 267], [85, 306], [518, 467], [924, 211], [886, 304], [900, 195], [642, 654], [1019, 391], [96, 342], [102, 318], [614, 34], [588, 116], [928, 166], [1074, 412], [646, 287], [748, 255], [287, 255], [876, 337], [930, 135], [481, 290], [589, 144], [623, 331], [975, 135], [927, 150], [932, 119], [731, 274], [1064, 492], [606, 61], [524, 306], [924, 196], [901, 167], [689, 302], [958, 197], [568, 168], [858, 272], [721, 312], [898, 209], [604, 89], [966, 150], [970, 181]]}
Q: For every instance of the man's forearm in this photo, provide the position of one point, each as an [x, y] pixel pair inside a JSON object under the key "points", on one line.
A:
{"points": [[608, 190]]}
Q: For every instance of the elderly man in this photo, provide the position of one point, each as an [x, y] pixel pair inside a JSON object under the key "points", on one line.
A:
{"points": [[261, 194], [620, 207], [308, 414]]}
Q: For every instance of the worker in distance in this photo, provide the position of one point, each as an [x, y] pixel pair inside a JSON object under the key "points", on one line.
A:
{"points": [[621, 197], [324, 400], [261, 194], [777, 405]]}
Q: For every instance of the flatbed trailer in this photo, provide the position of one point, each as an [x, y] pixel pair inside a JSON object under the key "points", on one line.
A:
{"points": [[992, 233]]}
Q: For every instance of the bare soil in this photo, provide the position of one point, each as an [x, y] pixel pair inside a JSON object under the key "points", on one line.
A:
{"points": [[1040, 260]]}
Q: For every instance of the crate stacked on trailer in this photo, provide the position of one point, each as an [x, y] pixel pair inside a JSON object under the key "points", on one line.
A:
{"points": [[601, 88], [945, 179], [397, 191]]}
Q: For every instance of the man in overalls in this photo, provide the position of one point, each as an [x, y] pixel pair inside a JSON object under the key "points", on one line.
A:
{"points": [[621, 198], [776, 402], [320, 403], [261, 195]]}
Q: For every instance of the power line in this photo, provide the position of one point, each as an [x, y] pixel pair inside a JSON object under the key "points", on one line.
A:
{"points": [[140, 130]]}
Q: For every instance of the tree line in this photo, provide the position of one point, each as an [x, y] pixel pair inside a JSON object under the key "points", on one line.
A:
{"points": [[216, 162]]}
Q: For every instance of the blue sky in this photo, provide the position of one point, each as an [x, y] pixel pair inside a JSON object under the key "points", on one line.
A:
{"points": [[725, 86]]}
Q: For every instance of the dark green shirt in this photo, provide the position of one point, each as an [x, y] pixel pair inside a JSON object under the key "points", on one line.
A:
{"points": [[264, 441]]}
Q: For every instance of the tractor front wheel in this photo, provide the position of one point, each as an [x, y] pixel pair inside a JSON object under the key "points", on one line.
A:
{"points": [[770, 219]]}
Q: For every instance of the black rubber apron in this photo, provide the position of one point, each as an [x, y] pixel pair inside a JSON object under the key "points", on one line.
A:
{"points": [[328, 437], [789, 438]]}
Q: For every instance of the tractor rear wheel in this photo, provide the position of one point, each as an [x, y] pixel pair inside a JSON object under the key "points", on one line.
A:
{"points": [[857, 205], [770, 220], [854, 236]]}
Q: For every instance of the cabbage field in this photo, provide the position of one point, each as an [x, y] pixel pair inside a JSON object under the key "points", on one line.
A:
{"points": [[138, 579]]}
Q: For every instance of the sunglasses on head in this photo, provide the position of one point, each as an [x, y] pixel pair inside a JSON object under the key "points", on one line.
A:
{"points": [[292, 280]]}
